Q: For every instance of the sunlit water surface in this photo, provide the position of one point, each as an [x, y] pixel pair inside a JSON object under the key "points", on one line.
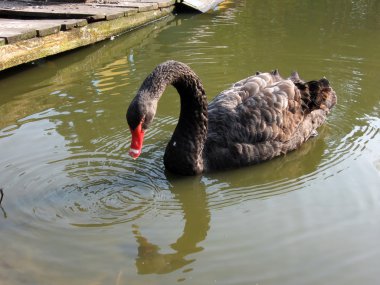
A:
{"points": [[78, 210]]}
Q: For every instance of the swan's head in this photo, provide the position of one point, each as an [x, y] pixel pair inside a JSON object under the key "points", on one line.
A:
{"points": [[140, 114], [317, 94]]}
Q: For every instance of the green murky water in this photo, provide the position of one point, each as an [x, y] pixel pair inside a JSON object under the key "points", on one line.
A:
{"points": [[78, 210]]}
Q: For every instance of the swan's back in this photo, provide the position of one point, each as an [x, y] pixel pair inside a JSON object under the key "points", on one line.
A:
{"points": [[263, 116]]}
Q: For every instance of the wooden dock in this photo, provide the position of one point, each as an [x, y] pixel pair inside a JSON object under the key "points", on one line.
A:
{"points": [[31, 29]]}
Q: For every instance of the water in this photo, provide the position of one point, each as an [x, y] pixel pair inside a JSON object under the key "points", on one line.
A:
{"points": [[78, 210]]}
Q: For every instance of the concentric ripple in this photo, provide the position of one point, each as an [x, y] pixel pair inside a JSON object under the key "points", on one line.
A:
{"points": [[92, 191], [68, 186]]}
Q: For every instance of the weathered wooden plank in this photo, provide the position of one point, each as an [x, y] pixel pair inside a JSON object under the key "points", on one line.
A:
{"points": [[67, 24], [140, 6], [161, 3], [12, 35], [114, 15], [63, 1], [66, 11], [43, 28], [42, 13]]}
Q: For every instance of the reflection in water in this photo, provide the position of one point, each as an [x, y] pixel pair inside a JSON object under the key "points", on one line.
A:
{"points": [[196, 218], [72, 193]]}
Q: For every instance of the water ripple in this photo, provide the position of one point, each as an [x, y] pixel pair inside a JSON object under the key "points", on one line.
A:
{"points": [[105, 187], [320, 158], [95, 189]]}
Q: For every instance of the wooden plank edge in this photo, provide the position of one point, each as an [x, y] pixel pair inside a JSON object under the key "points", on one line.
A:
{"points": [[65, 25], [48, 31], [162, 4], [23, 34], [134, 5], [43, 28], [43, 15]]}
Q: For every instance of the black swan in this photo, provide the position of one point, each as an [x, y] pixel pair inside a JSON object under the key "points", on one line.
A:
{"points": [[258, 118]]}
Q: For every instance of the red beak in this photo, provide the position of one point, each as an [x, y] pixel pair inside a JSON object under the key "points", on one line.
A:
{"points": [[137, 141]]}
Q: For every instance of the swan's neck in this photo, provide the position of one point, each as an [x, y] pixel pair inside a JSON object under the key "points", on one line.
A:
{"points": [[184, 152]]}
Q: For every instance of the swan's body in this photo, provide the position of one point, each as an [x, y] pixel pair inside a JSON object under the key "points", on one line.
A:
{"points": [[258, 118]]}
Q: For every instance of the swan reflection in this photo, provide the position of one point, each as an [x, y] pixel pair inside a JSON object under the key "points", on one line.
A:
{"points": [[196, 213]]}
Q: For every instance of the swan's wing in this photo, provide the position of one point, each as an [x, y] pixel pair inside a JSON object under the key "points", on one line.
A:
{"points": [[257, 119], [260, 108]]}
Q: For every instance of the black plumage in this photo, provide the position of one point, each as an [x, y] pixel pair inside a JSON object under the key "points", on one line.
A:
{"points": [[258, 118]]}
